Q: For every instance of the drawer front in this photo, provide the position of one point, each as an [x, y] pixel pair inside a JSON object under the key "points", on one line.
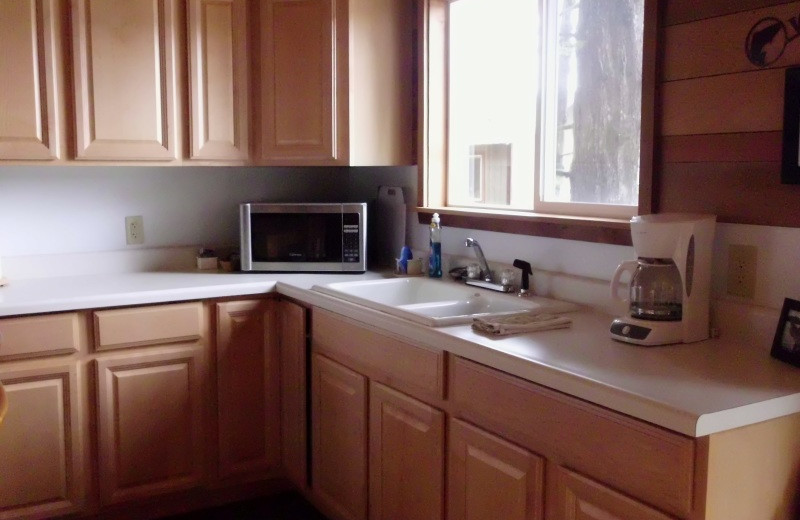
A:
{"points": [[388, 359], [645, 461], [142, 326], [44, 335]]}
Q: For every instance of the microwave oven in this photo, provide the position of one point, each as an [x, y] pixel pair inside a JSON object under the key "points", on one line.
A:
{"points": [[310, 237]]}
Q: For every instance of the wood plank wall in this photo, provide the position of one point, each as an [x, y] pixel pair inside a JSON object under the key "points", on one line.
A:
{"points": [[721, 117]]}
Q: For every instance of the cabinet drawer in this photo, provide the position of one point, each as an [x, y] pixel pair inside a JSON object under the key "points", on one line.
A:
{"points": [[44, 335], [385, 358], [142, 326], [645, 461]]}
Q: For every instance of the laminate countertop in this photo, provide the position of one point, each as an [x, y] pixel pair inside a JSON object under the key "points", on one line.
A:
{"points": [[694, 389]]}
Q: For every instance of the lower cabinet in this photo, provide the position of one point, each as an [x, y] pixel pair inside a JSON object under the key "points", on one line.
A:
{"points": [[149, 423], [42, 449], [248, 388], [339, 439], [294, 392], [575, 497], [490, 478], [406, 457]]}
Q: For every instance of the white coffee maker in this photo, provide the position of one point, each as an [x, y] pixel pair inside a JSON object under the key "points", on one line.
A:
{"points": [[670, 284]]}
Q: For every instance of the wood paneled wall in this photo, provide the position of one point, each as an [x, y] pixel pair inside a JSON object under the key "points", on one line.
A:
{"points": [[721, 117]]}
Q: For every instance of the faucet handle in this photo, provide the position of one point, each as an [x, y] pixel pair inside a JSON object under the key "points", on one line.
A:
{"points": [[526, 271]]}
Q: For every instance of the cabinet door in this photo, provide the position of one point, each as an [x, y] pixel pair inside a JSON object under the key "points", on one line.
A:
{"points": [[218, 79], [489, 478], [149, 423], [125, 79], [339, 438], [28, 65], [42, 442], [294, 392], [406, 457], [303, 96], [248, 387], [575, 497]]}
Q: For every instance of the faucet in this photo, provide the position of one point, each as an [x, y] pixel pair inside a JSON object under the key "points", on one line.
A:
{"points": [[487, 273]]}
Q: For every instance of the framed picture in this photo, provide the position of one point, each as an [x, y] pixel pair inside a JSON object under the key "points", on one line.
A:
{"points": [[790, 159], [786, 345]]}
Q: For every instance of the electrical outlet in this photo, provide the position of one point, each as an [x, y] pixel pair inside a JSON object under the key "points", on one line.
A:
{"points": [[742, 270], [134, 230]]}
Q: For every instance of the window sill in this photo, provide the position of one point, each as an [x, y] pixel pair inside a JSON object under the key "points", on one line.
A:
{"points": [[585, 229]]}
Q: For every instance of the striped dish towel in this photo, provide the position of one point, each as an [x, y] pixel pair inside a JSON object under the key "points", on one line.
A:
{"points": [[519, 323]]}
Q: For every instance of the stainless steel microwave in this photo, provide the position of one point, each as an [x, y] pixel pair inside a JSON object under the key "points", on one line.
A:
{"points": [[312, 237]]}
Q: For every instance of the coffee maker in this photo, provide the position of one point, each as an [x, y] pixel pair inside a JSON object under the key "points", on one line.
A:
{"points": [[670, 283]]}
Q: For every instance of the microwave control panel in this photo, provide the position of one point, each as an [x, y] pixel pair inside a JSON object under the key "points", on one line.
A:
{"points": [[351, 232]]}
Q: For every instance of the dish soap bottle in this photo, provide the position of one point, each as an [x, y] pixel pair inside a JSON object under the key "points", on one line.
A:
{"points": [[435, 259]]}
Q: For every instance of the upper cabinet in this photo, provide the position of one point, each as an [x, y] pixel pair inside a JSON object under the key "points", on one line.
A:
{"points": [[237, 82], [125, 79], [218, 80], [337, 82], [29, 102]]}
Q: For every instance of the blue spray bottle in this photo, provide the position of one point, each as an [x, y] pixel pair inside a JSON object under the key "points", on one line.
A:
{"points": [[435, 259]]}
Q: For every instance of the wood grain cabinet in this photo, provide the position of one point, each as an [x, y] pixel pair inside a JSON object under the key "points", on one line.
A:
{"points": [[574, 497], [336, 82], [406, 457], [490, 478], [248, 388], [294, 391], [43, 441], [218, 80], [339, 438], [29, 100], [125, 77]]}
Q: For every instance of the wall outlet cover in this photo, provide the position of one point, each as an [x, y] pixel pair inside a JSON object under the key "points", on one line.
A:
{"points": [[742, 261], [134, 230]]}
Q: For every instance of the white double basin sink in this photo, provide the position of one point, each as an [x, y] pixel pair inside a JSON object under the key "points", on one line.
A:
{"points": [[437, 303]]}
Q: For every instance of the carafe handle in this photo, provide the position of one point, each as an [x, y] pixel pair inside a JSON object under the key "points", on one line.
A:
{"points": [[629, 266]]}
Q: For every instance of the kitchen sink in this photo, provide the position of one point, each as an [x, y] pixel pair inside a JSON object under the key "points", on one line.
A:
{"points": [[437, 303]]}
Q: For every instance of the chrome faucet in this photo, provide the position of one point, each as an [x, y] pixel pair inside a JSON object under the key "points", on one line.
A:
{"points": [[487, 273]]}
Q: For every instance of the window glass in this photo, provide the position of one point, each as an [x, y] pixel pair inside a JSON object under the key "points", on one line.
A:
{"points": [[595, 93], [544, 110], [494, 71]]}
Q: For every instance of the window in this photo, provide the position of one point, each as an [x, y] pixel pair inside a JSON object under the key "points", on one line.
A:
{"points": [[542, 106]]}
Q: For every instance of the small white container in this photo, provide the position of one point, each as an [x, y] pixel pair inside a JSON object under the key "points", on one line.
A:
{"points": [[206, 263]]}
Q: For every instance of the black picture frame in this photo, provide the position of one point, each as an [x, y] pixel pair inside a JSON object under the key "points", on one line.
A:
{"points": [[790, 156], [786, 345]]}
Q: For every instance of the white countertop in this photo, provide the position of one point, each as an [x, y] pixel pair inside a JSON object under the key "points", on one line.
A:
{"points": [[695, 389]]}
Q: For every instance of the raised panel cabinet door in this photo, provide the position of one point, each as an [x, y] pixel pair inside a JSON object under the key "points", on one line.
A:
{"points": [[29, 102], [124, 56], [303, 81], [294, 385], [218, 79], [406, 457], [42, 441], [574, 497], [248, 387], [489, 478], [149, 416], [339, 438]]}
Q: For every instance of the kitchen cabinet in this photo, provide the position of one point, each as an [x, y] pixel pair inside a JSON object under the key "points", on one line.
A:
{"points": [[339, 439], [490, 478], [406, 437], [30, 102], [149, 423], [336, 82], [43, 440], [248, 388], [294, 391], [219, 80], [574, 497], [150, 399], [125, 59]]}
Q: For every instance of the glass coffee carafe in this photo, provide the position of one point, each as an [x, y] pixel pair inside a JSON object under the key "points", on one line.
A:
{"points": [[656, 290]]}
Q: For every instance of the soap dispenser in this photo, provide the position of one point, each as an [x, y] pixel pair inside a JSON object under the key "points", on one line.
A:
{"points": [[435, 259]]}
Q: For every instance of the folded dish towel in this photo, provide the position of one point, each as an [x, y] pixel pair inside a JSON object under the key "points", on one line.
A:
{"points": [[519, 323]]}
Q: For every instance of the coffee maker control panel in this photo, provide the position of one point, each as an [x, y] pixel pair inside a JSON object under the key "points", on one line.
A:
{"points": [[624, 330]]}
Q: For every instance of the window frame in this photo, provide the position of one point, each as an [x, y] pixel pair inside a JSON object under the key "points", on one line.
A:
{"points": [[432, 136]]}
